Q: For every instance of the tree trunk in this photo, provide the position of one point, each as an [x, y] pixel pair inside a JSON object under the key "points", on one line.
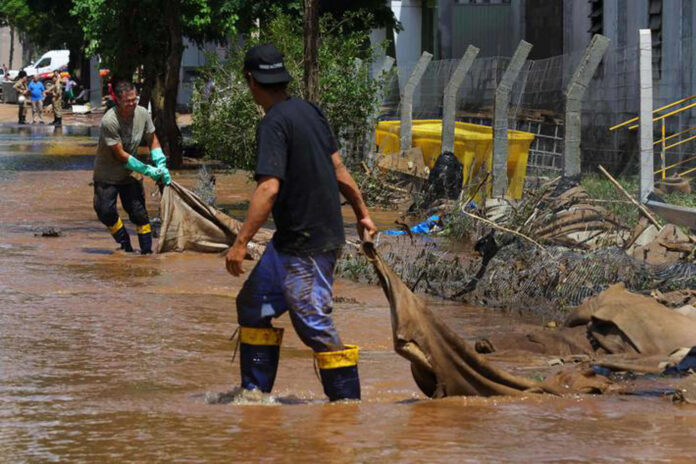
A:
{"points": [[12, 35], [75, 61], [164, 93], [149, 81], [311, 50]]}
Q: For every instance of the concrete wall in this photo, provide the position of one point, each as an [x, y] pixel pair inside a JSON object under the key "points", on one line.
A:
{"points": [[5, 49], [193, 58], [623, 19], [408, 41]]}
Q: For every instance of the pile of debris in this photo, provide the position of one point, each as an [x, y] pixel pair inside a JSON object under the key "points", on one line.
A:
{"points": [[544, 254]]}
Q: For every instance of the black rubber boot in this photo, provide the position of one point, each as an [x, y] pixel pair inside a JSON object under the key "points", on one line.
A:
{"points": [[122, 238], [259, 353], [58, 122], [339, 373], [145, 239]]}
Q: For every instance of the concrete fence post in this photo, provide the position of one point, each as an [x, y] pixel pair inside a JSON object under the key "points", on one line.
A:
{"points": [[407, 99], [646, 108], [449, 100], [378, 73], [500, 118], [574, 95]]}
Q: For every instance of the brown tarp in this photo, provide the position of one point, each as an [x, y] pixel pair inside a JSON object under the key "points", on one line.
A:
{"points": [[624, 322], [619, 329], [443, 364], [188, 223]]}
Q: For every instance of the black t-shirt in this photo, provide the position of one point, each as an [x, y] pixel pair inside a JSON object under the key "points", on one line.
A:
{"points": [[295, 144]]}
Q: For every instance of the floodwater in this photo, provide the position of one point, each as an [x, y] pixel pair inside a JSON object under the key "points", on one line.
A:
{"points": [[111, 357]]}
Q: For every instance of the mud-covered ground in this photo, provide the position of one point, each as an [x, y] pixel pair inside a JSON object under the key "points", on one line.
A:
{"points": [[109, 357]]}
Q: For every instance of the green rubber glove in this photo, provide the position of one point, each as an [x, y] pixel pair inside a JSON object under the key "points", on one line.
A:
{"points": [[158, 157], [134, 164], [160, 161]]}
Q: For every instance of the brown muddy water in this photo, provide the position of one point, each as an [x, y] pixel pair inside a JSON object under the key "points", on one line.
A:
{"points": [[110, 357]]}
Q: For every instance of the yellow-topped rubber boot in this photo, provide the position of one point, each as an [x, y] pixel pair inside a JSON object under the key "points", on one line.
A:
{"points": [[339, 373], [120, 234], [145, 238], [259, 353]]}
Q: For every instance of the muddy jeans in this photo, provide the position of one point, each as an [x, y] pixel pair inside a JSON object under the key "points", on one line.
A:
{"points": [[300, 285], [132, 198], [37, 108]]}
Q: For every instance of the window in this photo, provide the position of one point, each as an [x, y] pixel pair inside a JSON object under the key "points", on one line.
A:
{"points": [[43, 63], [596, 17], [655, 25]]}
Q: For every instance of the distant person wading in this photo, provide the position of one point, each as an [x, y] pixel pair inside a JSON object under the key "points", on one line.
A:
{"points": [[117, 169], [299, 174]]}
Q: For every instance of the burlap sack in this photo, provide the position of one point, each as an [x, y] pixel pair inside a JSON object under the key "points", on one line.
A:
{"points": [[442, 363], [188, 223]]}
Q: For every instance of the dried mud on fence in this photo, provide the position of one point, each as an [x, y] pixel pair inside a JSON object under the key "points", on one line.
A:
{"points": [[585, 250]]}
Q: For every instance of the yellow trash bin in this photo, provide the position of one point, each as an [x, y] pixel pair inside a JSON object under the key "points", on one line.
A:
{"points": [[473, 146]]}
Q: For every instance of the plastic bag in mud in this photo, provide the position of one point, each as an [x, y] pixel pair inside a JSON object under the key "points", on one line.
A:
{"points": [[445, 179], [188, 223]]}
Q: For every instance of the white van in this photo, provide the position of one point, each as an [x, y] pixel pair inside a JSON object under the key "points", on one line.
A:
{"points": [[53, 60]]}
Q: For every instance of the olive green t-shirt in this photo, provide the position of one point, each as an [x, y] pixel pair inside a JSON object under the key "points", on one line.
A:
{"points": [[113, 130]]}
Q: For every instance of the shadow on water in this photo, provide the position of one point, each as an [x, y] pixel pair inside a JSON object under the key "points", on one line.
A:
{"points": [[96, 251]]}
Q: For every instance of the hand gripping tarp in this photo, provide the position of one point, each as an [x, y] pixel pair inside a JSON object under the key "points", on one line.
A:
{"points": [[188, 223], [442, 363]]}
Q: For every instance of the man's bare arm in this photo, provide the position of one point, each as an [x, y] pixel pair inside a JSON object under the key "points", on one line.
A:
{"points": [[152, 141], [259, 209], [350, 191], [119, 153]]}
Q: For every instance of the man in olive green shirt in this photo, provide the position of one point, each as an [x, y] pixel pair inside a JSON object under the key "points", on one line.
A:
{"points": [[22, 93], [118, 171], [56, 90]]}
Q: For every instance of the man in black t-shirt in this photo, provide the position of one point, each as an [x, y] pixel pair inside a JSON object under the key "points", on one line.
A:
{"points": [[299, 177]]}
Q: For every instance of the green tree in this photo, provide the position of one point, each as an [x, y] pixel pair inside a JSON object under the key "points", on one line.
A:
{"points": [[129, 34], [47, 24], [348, 15], [224, 120]]}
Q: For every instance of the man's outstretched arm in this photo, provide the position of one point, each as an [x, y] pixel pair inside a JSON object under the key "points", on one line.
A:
{"points": [[350, 191], [259, 208]]}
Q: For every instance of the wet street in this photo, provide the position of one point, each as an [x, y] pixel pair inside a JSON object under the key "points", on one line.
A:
{"points": [[106, 356]]}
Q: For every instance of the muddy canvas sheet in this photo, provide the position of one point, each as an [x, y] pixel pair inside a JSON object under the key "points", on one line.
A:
{"points": [[618, 328], [443, 364], [188, 223]]}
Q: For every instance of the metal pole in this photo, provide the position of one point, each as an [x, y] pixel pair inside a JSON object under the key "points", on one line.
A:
{"points": [[647, 181], [407, 99], [500, 118], [449, 101], [662, 152], [574, 95]]}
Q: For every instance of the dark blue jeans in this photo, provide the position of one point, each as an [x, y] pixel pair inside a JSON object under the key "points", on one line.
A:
{"points": [[300, 285]]}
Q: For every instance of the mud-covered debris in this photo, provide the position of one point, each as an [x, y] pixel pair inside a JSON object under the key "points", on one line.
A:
{"points": [[49, 232], [684, 395]]}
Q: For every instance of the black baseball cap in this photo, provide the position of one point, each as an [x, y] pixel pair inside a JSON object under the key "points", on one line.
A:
{"points": [[265, 63]]}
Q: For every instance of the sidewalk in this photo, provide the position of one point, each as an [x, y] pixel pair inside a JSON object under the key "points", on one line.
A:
{"points": [[8, 114]]}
